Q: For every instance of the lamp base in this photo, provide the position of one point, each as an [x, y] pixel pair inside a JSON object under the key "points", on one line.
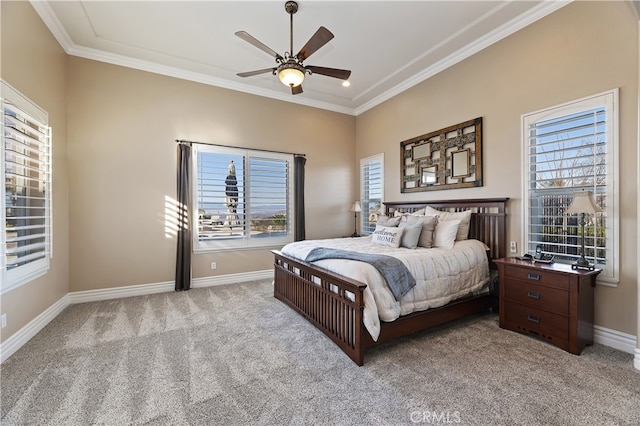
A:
{"points": [[583, 268], [582, 264], [355, 234]]}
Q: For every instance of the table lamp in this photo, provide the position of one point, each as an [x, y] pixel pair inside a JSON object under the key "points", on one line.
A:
{"points": [[583, 204], [355, 208]]}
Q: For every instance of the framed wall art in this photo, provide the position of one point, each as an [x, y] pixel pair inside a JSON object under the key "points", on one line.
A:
{"points": [[445, 159]]}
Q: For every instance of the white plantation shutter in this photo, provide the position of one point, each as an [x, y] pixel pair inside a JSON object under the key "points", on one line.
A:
{"points": [[572, 148], [220, 217], [26, 195], [371, 191], [269, 195], [257, 211]]}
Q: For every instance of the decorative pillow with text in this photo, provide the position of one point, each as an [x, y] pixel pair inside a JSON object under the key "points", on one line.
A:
{"points": [[389, 236]]}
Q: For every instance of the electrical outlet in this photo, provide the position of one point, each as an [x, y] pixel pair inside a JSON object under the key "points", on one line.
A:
{"points": [[4, 320], [513, 247], [214, 265]]}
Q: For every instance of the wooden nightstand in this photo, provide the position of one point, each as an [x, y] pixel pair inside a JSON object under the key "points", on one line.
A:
{"points": [[551, 302]]}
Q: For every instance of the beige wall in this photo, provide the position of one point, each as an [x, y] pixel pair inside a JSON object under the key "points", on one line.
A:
{"points": [[583, 49], [40, 75], [123, 125]]}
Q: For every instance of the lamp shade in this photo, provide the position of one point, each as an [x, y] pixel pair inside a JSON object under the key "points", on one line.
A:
{"points": [[291, 76], [583, 202], [355, 207]]}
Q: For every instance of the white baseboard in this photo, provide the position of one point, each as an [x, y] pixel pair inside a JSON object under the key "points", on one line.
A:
{"points": [[232, 278], [120, 292], [18, 339], [622, 341], [144, 289]]}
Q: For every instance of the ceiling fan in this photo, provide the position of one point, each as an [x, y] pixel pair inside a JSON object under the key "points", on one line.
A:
{"points": [[290, 69]]}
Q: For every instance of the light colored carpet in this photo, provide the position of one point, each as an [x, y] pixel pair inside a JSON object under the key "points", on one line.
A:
{"points": [[235, 355]]}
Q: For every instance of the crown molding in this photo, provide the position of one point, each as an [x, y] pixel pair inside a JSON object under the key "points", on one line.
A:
{"points": [[52, 22], [536, 13], [47, 15], [128, 62]]}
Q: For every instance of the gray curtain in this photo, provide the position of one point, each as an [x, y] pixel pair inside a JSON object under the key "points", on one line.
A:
{"points": [[298, 197], [183, 253]]}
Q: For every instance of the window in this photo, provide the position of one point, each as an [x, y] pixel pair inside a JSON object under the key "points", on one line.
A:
{"points": [[371, 191], [26, 195], [243, 198], [569, 148]]}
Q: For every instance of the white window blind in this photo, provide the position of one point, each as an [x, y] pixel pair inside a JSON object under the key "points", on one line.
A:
{"points": [[371, 191], [269, 195], [243, 198], [571, 148], [26, 166]]}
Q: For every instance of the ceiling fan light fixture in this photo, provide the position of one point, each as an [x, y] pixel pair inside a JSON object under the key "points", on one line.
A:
{"points": [[290, 74], [290, 69]]}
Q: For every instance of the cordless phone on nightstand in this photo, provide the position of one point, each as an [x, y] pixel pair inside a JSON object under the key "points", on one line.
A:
{"points": [[542, 257]]}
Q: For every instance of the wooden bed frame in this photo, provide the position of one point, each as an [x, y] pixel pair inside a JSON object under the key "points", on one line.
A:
{"points": [[335, 303]]}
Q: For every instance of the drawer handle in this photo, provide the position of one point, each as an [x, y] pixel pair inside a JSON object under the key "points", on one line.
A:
{"points": [[533, 294], [534, 276], [533, 318]]}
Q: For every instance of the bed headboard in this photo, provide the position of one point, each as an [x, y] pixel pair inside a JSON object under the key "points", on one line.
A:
{"points": [[487, 218]]}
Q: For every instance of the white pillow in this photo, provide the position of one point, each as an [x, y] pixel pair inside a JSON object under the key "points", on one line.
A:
{"points": [[387, 236], [464, 218], [445, 235]]}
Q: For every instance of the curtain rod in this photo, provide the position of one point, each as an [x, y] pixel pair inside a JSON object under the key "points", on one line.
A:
{"points": [[229, 146]]}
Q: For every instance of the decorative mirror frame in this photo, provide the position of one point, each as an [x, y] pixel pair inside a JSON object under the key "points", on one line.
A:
{"points": [[445, 159]]}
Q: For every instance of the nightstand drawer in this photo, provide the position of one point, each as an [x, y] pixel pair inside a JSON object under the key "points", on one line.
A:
{"points": [[538, 296], [539, 276], [536, 321]]}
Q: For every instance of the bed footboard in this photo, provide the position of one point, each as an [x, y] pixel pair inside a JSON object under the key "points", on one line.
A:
{"points": [[331, 302]]}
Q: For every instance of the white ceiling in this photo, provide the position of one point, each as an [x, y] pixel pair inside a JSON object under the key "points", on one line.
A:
{"points": [[389, 45]]}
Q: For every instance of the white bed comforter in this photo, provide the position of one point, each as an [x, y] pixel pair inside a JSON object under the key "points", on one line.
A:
{"points": [[441, 275]]}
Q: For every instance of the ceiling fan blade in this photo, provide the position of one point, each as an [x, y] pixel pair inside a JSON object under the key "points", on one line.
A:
{"points": [[330, 72], [319, 39], [257, 43], [296, 90], [252, 73]]}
